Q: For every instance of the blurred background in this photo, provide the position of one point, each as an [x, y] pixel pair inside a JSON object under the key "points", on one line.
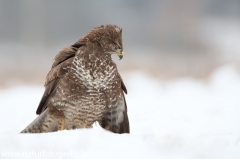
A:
{"points": [[165, 38], [181, 68]]}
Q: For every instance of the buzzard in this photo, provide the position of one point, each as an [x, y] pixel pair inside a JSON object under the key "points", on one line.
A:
{"points": [[84, 86]]}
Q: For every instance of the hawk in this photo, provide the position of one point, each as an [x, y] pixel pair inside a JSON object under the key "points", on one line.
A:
{"points": [[84, 86]]}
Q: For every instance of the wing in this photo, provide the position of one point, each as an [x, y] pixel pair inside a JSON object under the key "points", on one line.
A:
{"points": [[59, 68], [123, 86], [124, 126], [109, 121]]}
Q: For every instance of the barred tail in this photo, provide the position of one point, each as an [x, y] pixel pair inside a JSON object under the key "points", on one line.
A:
{"points": [[43, 123]]}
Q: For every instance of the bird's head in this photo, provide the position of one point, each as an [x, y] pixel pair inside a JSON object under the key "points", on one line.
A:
{"points": [[108, 37]]}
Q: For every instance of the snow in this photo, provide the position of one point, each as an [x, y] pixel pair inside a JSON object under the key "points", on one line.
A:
{"points": [[181, 119]]}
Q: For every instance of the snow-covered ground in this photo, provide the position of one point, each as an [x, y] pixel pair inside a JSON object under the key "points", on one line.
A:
{"points": [[181, 119]]}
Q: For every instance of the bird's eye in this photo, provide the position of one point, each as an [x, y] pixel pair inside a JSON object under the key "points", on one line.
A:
{"points": [[117, 47]]}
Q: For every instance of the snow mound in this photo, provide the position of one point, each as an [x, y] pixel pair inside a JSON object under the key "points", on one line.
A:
{"points": [[182, 119]]}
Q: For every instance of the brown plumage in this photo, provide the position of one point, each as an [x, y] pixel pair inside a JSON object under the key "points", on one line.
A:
{"points": [[84, 86]]}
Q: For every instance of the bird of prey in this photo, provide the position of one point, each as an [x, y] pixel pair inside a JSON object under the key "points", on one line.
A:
{"points": [[84, 86]]}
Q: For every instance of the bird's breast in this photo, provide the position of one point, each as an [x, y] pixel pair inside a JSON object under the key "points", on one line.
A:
{"points": [[91, 90], [95, 75]]}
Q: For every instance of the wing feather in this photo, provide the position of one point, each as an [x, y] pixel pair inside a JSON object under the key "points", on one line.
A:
{"points": [[124, 126], [59, 68], [123, 85], [63, 55]]}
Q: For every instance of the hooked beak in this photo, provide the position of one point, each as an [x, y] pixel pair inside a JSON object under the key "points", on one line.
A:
{"points": [[120, 54]]}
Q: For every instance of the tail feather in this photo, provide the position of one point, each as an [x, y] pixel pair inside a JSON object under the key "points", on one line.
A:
{"points": [[43, 123]]}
